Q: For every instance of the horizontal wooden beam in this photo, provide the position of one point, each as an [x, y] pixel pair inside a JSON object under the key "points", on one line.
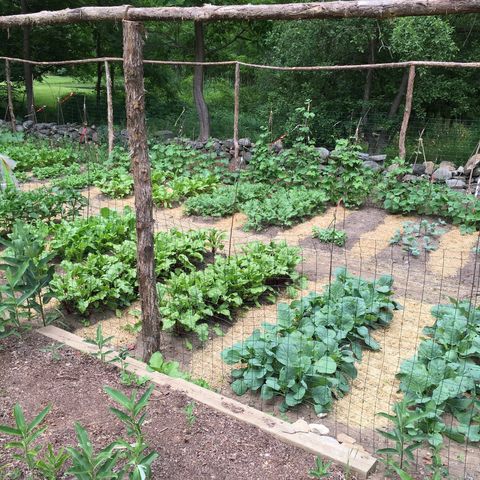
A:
{"points": [[354, 459], [293, 11], [365, 66]]}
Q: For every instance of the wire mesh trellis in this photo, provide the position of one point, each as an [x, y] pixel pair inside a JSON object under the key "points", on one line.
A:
{"points": [[450, 272]]}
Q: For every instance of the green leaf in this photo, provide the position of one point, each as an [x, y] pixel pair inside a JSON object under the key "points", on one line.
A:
{"points": [[326, 365], [239, 387]]}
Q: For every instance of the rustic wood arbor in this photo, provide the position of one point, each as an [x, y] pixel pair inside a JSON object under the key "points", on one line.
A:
{"points": [[135, 92]]}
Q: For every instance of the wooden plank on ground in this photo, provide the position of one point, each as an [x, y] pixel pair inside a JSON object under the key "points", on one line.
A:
{"points": [[360, 462]]}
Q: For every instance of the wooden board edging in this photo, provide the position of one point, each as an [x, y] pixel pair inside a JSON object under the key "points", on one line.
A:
{"points": [[350, 458]]}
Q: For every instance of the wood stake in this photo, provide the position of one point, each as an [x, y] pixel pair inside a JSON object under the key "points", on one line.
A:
{"points": [[137, 138], [13, 121], [236, 113], [111, 133], [406, 114]]}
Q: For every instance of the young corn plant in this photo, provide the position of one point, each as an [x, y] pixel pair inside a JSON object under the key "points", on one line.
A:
{"points": [[321, 469]]}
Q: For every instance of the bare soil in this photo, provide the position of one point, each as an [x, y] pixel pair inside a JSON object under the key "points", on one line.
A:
{"points": [[214, 447]]}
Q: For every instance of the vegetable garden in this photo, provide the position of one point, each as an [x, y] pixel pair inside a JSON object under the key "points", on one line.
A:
{"points": [[298, 281], [289, 286]]}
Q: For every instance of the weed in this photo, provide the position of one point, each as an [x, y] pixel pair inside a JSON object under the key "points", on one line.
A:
{"points": [[190, 413]]}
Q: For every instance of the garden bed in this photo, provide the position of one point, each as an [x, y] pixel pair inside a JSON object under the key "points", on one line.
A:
{"points": [[37, 372]]}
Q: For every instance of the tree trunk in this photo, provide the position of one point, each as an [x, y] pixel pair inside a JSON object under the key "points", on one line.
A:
{"points": [[198, 77], [406, 114], [98, 53], [137, 139], [27, 68], [394, 107]]}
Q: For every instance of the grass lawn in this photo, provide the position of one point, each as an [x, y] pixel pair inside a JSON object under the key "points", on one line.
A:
{"points": [[52, 87]]}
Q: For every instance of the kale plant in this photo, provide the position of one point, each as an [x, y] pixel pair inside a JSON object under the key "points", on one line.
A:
{"points": [[415, 237], [309, 354]]}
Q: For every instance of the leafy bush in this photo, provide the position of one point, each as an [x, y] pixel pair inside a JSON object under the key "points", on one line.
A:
{"points": [[225, 200], [309, 355], [42, 204], [189, 300], [74, 240], [55, 170], [179, 188], [79, 181], [330, 235], [345, 178], [283, 208], [425, 198], [416, 236], [444, 375], [180, 160], [116, 182], [29, 155]]}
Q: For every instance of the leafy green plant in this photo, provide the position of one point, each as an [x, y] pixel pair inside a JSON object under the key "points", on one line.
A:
{"points": [[190, 413], [120, 459], [405, 435], [172, 368], [74, 240], [344, 178], [444, 375], [55, 170], [283, 208], [26, 245], [116, 182], [101, 280], [330, 235], [25, 435], [414, 237], [309, 354], [188, 300], [321, 469], [100, 342], [426, 198], [41, 204]]}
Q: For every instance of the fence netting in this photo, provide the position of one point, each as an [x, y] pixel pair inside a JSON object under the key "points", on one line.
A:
{"points": [[390, 337]]}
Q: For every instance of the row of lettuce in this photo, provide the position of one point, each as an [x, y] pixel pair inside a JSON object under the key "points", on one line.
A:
{"points": [[274, 190]]}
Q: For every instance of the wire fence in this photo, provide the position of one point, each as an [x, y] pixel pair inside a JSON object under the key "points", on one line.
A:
{"points": [[450, 273]]}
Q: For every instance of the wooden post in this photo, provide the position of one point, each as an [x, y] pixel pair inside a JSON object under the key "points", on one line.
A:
{"points": [[13, 121], [111, 133], [236, 113], [406, 114], [137, 138]]}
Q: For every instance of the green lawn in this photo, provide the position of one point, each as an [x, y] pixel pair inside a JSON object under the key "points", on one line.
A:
{"points": [[51, 87]]}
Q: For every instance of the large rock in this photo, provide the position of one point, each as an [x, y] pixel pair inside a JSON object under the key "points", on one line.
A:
{"points": [[418, 169], [456, 183], [378, 158], [442, 174], [472, 163], [323, 152], [410, 178], [447, 166], [319, 429], [244, 142], [429, 168], [372, 165]]}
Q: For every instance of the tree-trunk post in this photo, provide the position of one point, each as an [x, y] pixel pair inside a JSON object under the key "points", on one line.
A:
{"points": [[406, 114], [236, 114], [111, 133], [13, 121], [137, 138], [198, 81]]}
